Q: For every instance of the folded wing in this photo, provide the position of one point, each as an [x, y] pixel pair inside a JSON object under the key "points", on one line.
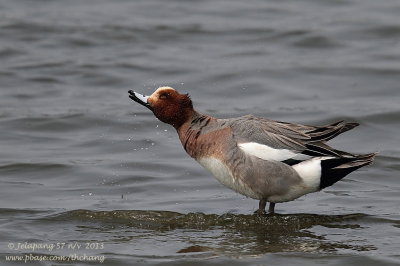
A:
{"points": [[287, 142]]}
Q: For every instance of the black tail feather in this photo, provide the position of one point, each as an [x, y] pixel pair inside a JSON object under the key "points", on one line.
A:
{"points": [[316, 146], [328, 132], [334, 169]]}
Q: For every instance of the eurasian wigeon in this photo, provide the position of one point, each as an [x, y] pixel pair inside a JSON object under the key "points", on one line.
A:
{"points": [[267, 160]]}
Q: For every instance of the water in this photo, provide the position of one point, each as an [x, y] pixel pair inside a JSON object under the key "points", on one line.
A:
{"points": [[87, 173]]}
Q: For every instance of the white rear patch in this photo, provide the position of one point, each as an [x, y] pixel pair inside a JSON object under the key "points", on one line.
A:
{"points": [[270, 154], [310, 174], [223, 174]]}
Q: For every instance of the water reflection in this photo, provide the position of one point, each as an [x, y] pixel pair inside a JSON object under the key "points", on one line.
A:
{"points": [[229, 234]]}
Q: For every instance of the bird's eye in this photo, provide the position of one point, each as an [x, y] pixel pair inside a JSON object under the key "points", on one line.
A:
{"points": [[163, 96]]}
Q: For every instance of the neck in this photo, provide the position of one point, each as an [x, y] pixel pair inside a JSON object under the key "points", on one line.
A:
{"points": [[190, 130], [193, 118], [180, 118]]}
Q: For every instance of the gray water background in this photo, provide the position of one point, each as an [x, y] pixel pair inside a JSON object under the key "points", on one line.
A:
{"points": [[80, 162]]}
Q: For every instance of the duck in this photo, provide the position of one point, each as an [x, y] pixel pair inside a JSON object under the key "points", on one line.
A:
{"points": [[267, 160]]}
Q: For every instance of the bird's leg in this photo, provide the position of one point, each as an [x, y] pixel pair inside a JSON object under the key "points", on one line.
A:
{"points": [[261, 207], [271, 208]]}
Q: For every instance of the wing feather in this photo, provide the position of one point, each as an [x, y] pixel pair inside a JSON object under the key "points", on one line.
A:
{"points": [[283, 136]]}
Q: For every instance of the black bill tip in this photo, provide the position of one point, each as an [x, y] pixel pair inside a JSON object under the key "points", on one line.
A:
{"points": [[139, 98]]}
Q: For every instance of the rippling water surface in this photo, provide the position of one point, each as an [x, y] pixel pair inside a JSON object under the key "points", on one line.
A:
{"points": [[84, 166]]}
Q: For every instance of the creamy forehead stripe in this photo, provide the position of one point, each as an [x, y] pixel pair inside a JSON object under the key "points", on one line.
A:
{"points": [[267, 153], [165, 88]]}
